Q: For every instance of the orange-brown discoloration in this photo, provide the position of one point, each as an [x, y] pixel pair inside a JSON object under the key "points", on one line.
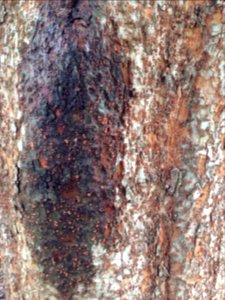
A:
{"points": [[201, 161], [61, 129], [175, 130], [223, 142], [68, 239], [201, 201], [127, 73], [119, 171], [70, 191], [176, 268], [215, 18], [152, 139], [43, 161], [148, 13], [199, 248], [218, 111], [146, 280], [176, 232], [220, 170], [207, 87], [194, 279], [190, 5], [107, 230], [176, 135], [201, 83], [183, 111], [163, 235], [193, 38], [9, 163], [180, 110], [117, 46]]}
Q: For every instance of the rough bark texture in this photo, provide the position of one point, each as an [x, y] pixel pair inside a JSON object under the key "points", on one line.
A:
{"points": [[112, 149]]}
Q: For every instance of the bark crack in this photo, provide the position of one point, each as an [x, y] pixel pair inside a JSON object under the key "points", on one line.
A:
{"points": [[18, 181]]}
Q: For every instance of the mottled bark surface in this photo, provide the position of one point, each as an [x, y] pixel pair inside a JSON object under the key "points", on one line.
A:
{"points": [[112, 149]]}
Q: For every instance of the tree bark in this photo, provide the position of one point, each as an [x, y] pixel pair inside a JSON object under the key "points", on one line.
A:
{"points": [[112, 149]]}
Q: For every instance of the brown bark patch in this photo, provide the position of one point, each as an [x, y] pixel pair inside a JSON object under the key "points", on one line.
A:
{"points": [[194, 279], [145, 284], [43, 161], [218, 111], [201, 201], [193, 39], [70, 191], [220, 170], [215, 18], [176, 232], [176, 268], [201, 161], [152, 139], [119, 171], [223, 143], [175, 130]]}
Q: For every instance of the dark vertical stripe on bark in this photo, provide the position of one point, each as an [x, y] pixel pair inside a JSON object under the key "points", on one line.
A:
{"points": [[73, 96]]}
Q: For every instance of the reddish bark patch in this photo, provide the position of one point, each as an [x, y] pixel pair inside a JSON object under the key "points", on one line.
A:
{"points": [[43, 161], [70, 191]]}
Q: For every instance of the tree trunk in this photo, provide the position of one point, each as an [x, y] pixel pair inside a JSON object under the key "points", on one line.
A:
{"points": [[112, 149]]}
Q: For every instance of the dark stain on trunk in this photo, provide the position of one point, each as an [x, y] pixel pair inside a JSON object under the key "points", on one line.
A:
{"points": [[73, 95]]}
